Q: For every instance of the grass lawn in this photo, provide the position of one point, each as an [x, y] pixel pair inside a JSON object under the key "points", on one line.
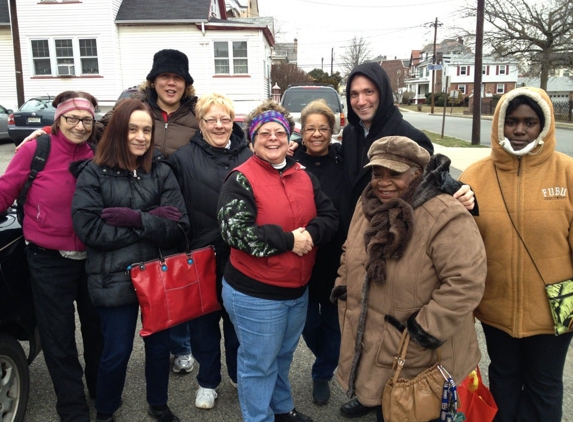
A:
{"points": [[449, 141]]}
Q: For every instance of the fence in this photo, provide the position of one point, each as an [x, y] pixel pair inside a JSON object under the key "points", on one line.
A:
{"points": [[562, 110]]}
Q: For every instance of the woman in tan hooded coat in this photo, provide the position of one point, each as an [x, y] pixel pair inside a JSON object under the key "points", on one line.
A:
{"points": [[414, 260], [525, 172]]}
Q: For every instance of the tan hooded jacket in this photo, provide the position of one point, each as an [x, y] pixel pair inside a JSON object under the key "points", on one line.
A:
{"points": [[536, 190], [441, 275]]}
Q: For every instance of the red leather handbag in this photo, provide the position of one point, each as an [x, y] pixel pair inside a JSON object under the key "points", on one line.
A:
{"points": [[175, 288]]}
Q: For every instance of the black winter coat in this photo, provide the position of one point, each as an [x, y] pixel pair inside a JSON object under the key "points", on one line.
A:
{"points": [[329, 170], [388, 121], [112, 249], [201, 170]]}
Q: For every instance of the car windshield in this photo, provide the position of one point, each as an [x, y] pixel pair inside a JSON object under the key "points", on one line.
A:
{"points": [[298, 99], [36, 104]]}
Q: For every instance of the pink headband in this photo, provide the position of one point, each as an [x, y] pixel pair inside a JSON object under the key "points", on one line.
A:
{"points": [[266, 117], [77, 103]]}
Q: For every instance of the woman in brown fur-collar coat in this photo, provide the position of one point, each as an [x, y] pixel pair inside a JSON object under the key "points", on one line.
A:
{"points": [[414, 259]]}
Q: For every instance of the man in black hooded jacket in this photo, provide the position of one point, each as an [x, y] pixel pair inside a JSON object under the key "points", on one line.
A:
{"points": [[372, 115]]}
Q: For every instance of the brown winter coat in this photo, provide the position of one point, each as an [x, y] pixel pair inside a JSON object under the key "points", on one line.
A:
{"points": [[441, 275], [177, 131], [536, 189]]}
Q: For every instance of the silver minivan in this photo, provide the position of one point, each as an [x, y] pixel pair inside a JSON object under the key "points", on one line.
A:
{"points": [[297, 97]]}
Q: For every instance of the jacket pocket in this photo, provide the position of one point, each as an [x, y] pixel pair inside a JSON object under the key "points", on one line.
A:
{"points": [[387, 348]]}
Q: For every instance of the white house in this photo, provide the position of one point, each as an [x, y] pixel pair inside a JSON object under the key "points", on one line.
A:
{"points": [[458, 63], [105, 46]]}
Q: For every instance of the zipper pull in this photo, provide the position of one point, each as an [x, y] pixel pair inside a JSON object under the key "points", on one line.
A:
{"points": [[134, 173]]}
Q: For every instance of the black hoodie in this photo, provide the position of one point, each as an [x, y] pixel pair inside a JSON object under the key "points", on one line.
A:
{"points": [[388, 121]]}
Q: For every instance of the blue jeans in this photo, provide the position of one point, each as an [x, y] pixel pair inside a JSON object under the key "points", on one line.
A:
{"points": [[322, 336], [57, 283], [180, 340], [268, 332], [118, 325], [206, 345], [526, 375]]}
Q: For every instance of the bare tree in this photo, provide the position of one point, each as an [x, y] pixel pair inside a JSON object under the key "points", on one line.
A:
{"points": [[285, 74], [538, 33], [356, 53]]}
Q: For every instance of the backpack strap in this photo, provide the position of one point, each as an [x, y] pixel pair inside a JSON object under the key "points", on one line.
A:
{"points": [[38, 163]]}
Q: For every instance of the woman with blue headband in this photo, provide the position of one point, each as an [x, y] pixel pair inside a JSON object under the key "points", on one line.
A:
{"points": [[273, 215]]}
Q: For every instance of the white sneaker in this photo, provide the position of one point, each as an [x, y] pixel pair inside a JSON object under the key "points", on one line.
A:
{"points": [[205, 398], [183, 363]]}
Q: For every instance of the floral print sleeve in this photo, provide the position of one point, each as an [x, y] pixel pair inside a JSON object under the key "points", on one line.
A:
{"points": [[237, 220]]}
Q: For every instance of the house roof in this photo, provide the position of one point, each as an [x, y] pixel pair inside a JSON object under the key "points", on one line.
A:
{"points": [[4, 13], [554, 83], [152, 11]]}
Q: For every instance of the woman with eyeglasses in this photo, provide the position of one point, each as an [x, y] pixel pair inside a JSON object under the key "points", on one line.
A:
{"points": [[201, 168], [321, 331], [56, 256], [273, 215]]}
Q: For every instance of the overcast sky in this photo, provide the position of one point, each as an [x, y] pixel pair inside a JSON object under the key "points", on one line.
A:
{"points": [[392, 27]]}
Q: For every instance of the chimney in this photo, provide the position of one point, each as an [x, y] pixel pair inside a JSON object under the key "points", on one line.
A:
{"points": [[460, 41]]}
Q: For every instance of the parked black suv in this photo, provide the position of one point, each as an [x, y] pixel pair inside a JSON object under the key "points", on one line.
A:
{"points": [[17, 320]]}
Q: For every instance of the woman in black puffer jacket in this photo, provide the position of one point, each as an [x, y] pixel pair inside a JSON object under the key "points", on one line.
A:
{"points": [[127, 205], [201, 168]]}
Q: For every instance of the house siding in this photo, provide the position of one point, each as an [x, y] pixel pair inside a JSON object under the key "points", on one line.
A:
{"points": [[245, 90], [8, 94], [88, 20]]}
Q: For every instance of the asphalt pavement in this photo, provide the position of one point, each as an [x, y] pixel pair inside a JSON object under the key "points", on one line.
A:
{"points": [[41, 406]]}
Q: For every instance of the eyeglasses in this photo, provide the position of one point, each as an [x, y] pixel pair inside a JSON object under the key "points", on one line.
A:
{"points": [[71, 120], [279, 134], [323, 130], [223, 120]]}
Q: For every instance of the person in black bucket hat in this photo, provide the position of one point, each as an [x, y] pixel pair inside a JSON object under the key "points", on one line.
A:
{"points": [[170, 61]]}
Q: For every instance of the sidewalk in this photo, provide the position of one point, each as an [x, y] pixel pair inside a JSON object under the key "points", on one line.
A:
{"points": [[462, 157]]}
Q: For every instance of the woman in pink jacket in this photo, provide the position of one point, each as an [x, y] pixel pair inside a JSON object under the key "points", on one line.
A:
{"points": [[56, 256]]}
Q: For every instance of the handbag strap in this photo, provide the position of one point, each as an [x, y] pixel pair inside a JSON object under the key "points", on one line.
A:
{"points": [[187, 249], [400, 358], [517, 231]]}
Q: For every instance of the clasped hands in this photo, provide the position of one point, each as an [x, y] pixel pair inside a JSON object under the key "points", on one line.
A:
{"points": [[127, 217], [303, 243]]}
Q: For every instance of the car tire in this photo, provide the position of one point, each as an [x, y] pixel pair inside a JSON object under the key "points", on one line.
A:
{"points": [[14, 380]]}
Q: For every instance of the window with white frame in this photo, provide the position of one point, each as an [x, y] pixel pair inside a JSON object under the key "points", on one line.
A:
{"points": [[231, 57], [464, 70], [500, 89], [484, 70], [503, 70], [65, 57], [462, 89]]}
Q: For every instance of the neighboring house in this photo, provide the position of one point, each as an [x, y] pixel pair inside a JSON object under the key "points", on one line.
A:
{"points": [[397, 73], [458, 63], [108, 45], [242, 8], [286, 52], [560, 90]]}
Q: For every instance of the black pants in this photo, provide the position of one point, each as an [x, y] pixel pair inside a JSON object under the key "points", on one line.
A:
{"points": [[205, 334], [56, 283], [526, 375]]}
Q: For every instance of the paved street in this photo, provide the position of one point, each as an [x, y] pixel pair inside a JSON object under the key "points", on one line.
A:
{"points": [[183, 387]]}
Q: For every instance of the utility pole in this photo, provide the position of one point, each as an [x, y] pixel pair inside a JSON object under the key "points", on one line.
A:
{"points": [[17, 53], [322, 64], [331, 61], [476, 117], [434, 24]]}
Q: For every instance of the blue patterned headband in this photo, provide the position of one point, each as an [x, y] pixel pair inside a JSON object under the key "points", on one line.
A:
{"points": [[266, 117]]}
